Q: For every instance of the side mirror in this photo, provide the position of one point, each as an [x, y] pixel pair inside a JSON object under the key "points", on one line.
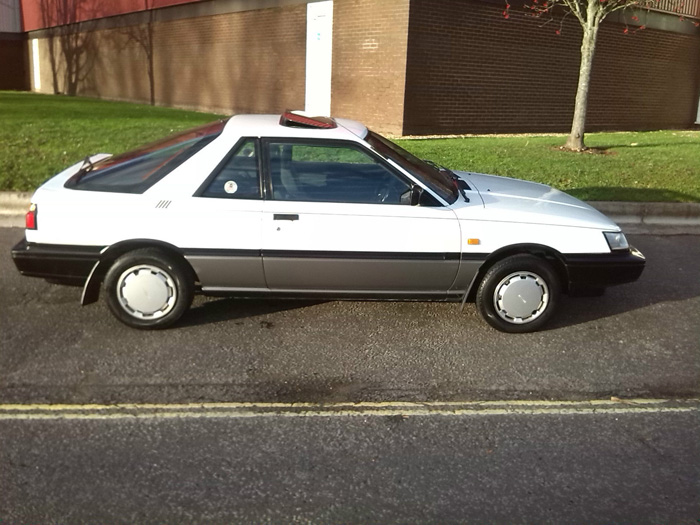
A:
{"points": [[416, 194]]}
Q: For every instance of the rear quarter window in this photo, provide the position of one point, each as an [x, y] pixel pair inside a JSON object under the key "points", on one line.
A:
{"points": [[136, 171]]}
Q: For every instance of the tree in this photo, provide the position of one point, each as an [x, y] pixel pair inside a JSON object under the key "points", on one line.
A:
{"points": [[143, 35], [76, 49], [589, 13]]}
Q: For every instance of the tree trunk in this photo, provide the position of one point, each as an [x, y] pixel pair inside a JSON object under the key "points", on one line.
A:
{"points": [[578, 126], [149, 52], [53, 61]]}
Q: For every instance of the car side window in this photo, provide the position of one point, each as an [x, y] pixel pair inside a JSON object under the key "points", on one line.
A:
{"points": [[325, 172], [237, 177]]}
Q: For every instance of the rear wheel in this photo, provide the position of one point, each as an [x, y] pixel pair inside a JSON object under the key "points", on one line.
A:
{"points": [[148, 288], [518, 294]]}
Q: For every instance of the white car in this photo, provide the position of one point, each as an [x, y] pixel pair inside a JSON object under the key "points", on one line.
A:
{"points": [[298, 206]]}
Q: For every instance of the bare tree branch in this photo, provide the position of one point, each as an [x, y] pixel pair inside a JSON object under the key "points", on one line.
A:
{"points": [[590, 14]]}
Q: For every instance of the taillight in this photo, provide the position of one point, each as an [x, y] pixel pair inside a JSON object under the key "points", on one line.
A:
{"points": [[30, 218]]}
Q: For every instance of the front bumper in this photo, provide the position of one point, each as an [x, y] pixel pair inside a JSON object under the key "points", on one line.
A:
{"points": [[600, 270], [70, 264]]}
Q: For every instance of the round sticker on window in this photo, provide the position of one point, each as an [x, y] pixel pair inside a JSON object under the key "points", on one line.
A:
{"points": [[230, 187]]}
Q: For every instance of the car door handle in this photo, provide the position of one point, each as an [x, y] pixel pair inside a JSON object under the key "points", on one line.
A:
{"points": [[285, 217]]}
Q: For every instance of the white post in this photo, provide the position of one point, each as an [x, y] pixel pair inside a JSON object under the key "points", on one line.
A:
{"points": [[319, 57], [36, 67]]}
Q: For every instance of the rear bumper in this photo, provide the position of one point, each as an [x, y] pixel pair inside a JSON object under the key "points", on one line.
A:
{"points": [[71, 264], [600, 270]]}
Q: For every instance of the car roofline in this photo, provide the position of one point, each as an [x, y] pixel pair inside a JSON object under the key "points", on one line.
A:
{"points": [[268, 125]]}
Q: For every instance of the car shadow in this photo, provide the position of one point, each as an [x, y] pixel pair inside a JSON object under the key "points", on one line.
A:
{"points": [[669, 276], [231, 309]]}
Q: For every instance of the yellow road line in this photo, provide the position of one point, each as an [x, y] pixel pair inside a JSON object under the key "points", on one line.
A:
{"points": [[365, 409], [359, 405]]}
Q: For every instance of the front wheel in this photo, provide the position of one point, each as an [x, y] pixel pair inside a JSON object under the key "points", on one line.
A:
{"points": [[149, 289], [518, 294]]}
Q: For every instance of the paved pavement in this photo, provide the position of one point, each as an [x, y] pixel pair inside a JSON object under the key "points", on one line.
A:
{"points": [[640, 339], [620, 463], [170, 455]]}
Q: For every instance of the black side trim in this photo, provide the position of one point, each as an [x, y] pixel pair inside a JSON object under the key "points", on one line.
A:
{"points": [[53, 261], [313, 254], [605, 269], [214, 252], [399, 256], [335, 295]]}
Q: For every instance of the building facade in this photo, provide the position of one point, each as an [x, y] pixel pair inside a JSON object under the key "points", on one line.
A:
{"points": [[13, 52], [402, 66]]}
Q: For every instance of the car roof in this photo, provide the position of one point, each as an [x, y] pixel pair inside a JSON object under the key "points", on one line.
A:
{"points": [[270, 126]]}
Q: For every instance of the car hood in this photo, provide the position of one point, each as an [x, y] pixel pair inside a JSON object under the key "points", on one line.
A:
{"points": [[507, 199]]}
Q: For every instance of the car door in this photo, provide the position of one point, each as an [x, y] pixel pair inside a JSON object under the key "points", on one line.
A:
{"points": [[224, 224], [337, 218]]}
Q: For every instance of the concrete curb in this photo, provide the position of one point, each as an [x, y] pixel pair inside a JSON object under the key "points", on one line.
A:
{"points": [[13, 206], [633, 217], [12, 202], [662, 213], [653, 217]]}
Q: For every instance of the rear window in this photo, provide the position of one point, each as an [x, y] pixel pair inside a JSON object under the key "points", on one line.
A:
{"points": [[137, 170]]}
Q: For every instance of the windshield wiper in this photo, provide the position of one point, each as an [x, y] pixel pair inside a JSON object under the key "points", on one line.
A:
{"points": [[438, 167], [461, 186], [86, 167], [459, 183]]}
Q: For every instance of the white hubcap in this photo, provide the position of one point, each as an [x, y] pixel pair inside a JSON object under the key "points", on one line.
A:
{"points": [[521, 297], [146, 292]]}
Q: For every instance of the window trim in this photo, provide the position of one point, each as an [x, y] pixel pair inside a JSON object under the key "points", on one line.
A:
{"points": [[425, 184], [359, 146], [74, 182], [222, 164]]}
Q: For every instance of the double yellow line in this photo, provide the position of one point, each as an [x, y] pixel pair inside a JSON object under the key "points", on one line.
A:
{"points": [[364, 409]]}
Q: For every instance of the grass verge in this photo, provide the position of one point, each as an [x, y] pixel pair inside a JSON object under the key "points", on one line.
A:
{"points": [[42, 134], [662, 166]]}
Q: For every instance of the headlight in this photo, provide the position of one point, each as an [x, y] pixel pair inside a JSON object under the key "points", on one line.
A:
{"points": [[616, 240]]}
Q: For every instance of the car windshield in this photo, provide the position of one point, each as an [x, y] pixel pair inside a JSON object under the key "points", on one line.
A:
{"points": [[137, 170], [438, 180]]}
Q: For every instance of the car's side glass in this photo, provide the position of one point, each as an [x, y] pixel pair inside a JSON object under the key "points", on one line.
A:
{"points": [[237, 177], [326, 172], [138, 170]]}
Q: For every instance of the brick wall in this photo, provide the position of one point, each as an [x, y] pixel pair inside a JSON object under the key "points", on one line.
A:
{"points": [[471, 71], [401, 66], [369, 61], [13, 62], [244, 62]]}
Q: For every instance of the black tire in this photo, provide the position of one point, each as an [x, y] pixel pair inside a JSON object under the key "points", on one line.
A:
{"points": [[532, 276], [148, 278]]}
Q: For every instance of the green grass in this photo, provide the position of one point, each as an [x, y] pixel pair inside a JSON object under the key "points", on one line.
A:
{"points": [[42, 134], [641, 166]]}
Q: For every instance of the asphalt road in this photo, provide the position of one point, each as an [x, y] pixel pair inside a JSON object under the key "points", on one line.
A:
{"points": [[542, 468], [640, 339], [618, 463]]}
